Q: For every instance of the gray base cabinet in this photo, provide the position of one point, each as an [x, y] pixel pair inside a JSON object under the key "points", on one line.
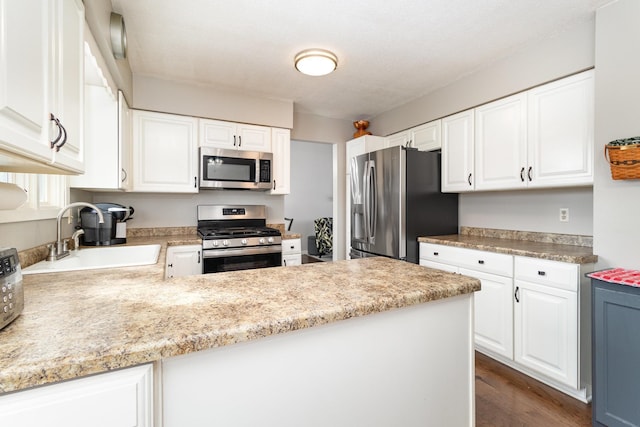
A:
{"points": [[616, 350]]}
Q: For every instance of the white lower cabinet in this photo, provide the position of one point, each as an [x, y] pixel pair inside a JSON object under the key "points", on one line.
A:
{"points": [[532, 314], [291, 252], [546, 318], [115, 399], [493, 329], [183, 260]]}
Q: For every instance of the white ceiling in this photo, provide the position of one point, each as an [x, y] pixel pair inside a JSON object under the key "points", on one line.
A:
{"points": [[390, 52]]}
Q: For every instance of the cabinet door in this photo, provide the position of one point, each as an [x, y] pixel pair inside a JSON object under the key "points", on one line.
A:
{"points": [[561, 132], [546, 331], [165, 153], [124, 144], [101, 128], [500, 144], [427, 137], [218, 134], [289, 260], [24, 125], [616, 382], [355, 147], [116, 399], [493, 307], [254, 138], [66, 78], [281, 148], [398, 139], [457, 153], [183, 260]]}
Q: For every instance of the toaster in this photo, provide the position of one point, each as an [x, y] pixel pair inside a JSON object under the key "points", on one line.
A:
{"points": [[12, 295]]}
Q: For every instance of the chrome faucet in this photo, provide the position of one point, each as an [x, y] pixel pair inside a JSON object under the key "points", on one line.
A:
{"points": [[76, 239], [60, 250]]}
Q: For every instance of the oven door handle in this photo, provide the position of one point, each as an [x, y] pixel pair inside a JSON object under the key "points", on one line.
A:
{"points": [[221, 253]]}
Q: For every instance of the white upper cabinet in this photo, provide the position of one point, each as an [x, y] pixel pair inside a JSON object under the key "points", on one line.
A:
{"points": [[364, 144], [560, 133], [125, 160], [234, 136], [107, 128], [67, 80], [281, 166], [425, 137], [539, 138], [165, 153], [399, 139], [41, 63], [24, 71], [458, 152], [500, 144]]}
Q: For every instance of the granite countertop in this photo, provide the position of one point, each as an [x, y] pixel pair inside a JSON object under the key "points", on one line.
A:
{"points": [[555, 247], [81, 323], [290, 236]]}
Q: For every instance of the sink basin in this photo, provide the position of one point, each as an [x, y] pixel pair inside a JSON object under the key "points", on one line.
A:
{"points": [[102, 257]]}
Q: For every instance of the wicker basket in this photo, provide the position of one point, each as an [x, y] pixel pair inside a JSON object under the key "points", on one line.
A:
{"points": [[623, 156]]}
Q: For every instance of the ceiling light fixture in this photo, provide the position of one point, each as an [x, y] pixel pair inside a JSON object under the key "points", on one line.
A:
{"points": [[316, 62]]}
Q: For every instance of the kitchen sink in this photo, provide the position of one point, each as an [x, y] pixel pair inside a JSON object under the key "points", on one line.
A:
{"points": [[102, 257]]}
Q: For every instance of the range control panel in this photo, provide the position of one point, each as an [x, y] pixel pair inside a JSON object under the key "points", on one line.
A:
{"points": [[11, 291]]}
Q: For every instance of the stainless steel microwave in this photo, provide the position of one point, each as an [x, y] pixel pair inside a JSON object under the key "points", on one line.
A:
{"points": [[234, 169]]}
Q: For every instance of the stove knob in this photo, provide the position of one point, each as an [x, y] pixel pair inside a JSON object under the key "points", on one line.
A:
{"points": [[225, 243], [244, 241], [270, 240], [261, 241], [215, 243]]}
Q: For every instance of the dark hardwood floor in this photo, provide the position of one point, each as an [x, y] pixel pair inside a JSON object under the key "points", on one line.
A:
{"points": [[506, 397]]}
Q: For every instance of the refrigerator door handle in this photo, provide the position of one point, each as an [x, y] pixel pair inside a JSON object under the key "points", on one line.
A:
{"points": [[374, 202], [365, 200], [355, 182]]}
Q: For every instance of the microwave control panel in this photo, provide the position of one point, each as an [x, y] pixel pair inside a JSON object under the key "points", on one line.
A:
{"points": [[11, 292], [265, 171]]}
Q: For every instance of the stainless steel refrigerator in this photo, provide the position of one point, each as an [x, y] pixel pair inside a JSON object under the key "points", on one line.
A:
{"points": [[396, 198]]}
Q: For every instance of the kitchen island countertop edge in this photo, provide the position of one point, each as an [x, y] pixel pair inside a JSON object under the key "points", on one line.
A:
{"points": [[87, 322]]}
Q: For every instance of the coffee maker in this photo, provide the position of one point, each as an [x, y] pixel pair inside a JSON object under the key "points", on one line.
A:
{"points": [[112, 231]]}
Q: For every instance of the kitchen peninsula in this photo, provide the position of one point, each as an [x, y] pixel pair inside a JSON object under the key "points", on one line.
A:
{"points": [[361, 342]]}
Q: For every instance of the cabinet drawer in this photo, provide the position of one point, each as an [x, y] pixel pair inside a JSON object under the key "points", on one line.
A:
{"points": [[439, 253], [486, 262], [556, 274], [291, 246], [439, 266]]}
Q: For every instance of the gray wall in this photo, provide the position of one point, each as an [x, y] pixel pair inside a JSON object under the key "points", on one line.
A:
{"points": [[150, 93], [616, 203], [531, 210], [311, 194], [179, 210], [566, 53]]}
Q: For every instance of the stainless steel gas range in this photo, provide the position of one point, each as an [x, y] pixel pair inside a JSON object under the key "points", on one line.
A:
{"points": [[236, 237]]}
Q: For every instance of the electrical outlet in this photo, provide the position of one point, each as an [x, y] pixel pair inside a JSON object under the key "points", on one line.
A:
{"points": [[564, 214]]}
